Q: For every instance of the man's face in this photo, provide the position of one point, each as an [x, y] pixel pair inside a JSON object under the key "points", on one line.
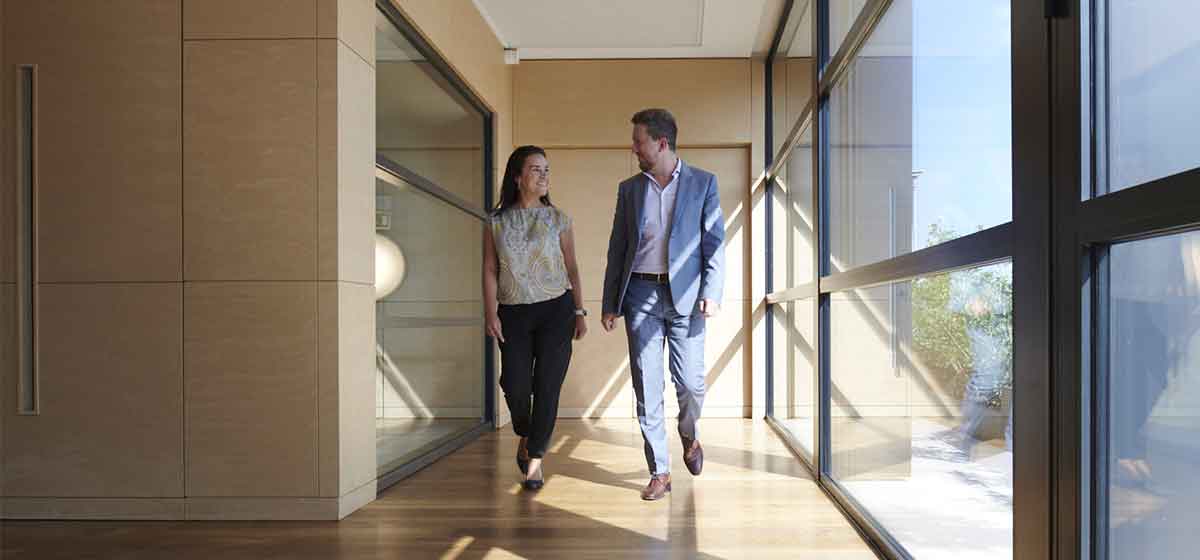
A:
{"points": [[648, 150]]}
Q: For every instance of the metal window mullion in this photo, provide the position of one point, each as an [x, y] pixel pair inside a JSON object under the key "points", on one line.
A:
{"points": [[1099, 90], [387, 169], [793, 138], [819, 104], [769, 215], [800, 292], [1100, 379], [1156, 207], [864, 24], [489, 346], [1036, 107], [988, 246]]}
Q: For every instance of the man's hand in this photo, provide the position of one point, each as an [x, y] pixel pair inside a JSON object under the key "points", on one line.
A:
{"points": [[709, 307], [608, 321]]}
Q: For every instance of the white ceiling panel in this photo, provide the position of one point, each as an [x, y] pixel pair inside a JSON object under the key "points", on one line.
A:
{"points": [[550, 29]]}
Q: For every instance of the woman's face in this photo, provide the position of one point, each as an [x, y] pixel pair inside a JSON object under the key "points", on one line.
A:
{"points": [[535, 176]]}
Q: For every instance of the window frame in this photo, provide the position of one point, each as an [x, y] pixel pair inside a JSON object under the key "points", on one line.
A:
{"points": [[389, 170]]}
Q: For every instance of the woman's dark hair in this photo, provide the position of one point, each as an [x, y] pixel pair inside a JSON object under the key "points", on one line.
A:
{"points": [[510, 193]]}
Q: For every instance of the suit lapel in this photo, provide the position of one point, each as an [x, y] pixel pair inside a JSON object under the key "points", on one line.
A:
{"points": [[639, 202], [682, 192]]}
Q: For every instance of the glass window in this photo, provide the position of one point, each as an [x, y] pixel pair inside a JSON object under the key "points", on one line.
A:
{"points": [[921, 425], [429, 350], [792, 219], [793, 344], [1153, 444], [1151, 69], [801, 219], [842, 14], [429, 331], [422, 122], [920, 139], [791, 73], [794, 389]]}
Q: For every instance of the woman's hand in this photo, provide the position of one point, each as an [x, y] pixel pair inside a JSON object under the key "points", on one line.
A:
{"points": [[493, 327], [580, 326]]}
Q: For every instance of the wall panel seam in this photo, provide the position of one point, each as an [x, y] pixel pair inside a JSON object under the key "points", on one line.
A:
{"points": [[356, 53]]}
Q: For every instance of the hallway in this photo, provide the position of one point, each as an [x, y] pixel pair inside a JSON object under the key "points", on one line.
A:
{"points": [[754, 500]]}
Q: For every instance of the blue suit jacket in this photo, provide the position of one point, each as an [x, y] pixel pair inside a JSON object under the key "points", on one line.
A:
{"points": [[695, 253]]}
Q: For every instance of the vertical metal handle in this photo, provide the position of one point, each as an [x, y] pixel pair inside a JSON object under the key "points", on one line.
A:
{"points": [[27, 266]]}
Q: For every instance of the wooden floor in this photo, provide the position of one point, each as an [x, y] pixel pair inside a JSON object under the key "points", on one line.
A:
{"points": [[753, 501]]}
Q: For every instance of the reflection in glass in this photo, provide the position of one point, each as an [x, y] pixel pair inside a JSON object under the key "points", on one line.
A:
{"points": [[422, 122], [842, 14], [794, 370], [792, 219], [429, 335], [920, 141], [921, 424], [1151, 61], [791, 73], [1153, 451], [428, 309], [801, 242], [794, 257]]}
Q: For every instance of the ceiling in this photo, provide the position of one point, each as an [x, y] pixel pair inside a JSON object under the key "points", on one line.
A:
{"points": [[555, 29]]}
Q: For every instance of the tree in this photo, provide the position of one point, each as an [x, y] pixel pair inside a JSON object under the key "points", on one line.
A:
{"points": [[962, 326]]}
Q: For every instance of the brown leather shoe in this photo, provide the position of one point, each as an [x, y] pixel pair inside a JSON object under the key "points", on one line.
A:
{"points": [[523, 456], [658, 487], [693, 456]]}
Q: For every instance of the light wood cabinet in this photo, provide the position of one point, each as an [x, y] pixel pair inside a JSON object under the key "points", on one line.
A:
{"points": [[108, 128], [108, 249]]}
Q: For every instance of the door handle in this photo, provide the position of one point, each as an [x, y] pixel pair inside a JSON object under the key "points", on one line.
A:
{"points": [[28, 394]]}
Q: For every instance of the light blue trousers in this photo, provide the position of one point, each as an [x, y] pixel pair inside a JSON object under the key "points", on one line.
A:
{"points": [[651, 323]]}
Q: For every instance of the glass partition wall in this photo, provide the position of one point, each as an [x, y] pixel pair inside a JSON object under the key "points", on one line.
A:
{"points": [[433, 361], [891, 348], [983, 271], [1133, 312]]}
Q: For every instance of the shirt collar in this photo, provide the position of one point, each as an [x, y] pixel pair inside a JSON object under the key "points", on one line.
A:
{"points": [[674, 174]]}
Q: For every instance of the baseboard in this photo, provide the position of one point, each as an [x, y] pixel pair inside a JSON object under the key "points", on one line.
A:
{"points": [[354, 500], [262, 509], [133, 509], [188, 509]]}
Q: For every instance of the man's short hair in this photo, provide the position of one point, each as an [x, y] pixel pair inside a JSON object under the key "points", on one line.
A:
{"points": [[659, 124]]}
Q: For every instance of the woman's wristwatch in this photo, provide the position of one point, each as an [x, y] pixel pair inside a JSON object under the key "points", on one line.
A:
{"points": [[581, 312]]}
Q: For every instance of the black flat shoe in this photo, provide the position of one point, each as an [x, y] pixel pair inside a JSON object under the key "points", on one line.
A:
{"points": [[534, 483]]}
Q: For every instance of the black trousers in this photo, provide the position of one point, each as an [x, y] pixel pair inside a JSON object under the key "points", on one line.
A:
{"points": [[534, 358]]}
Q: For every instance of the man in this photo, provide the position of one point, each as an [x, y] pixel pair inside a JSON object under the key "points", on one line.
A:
{"points": [[664, 275]]}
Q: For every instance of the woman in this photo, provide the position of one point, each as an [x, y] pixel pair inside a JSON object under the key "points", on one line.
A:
{"points": [[533, 302]]}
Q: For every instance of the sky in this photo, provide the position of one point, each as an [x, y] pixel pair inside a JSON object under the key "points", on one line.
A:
{"points": [[962, 115]]}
